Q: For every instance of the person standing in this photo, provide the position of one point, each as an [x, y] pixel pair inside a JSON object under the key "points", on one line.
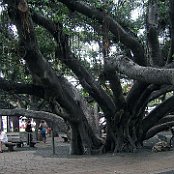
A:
{"points": [[43, 127], [3, 139], [28, 129]]}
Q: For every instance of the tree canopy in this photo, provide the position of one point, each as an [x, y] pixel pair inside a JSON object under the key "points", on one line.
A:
{"points": [[97, 43]]}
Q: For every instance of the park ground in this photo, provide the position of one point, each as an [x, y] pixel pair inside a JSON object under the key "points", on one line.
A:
{"points": [[40, 160]]}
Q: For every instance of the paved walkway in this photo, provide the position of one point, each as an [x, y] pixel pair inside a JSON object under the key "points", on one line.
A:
{"points": [[41, 161]]}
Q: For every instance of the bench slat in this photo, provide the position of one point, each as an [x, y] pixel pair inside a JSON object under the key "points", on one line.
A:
{"points": [[18, 138], [15, 137]]}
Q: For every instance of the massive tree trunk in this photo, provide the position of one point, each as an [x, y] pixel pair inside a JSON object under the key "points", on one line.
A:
{"points": [[56, 88], [153, 33]]}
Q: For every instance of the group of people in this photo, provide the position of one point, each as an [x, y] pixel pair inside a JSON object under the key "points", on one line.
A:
{"points": [[42, 130]]}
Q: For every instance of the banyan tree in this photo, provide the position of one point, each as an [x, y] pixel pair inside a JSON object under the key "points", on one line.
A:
{"points": [[138, 49]]}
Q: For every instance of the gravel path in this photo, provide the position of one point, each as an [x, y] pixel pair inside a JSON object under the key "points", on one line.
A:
{"points": [[40, 160]]}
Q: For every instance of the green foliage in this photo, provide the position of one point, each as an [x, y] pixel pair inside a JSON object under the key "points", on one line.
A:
{"points": [[126, 88], [163, 15], [154, 102], [85, 35], [82, 32], [46, 43]]}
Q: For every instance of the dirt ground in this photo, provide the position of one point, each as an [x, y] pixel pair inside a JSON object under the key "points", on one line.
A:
{"points": [[40, 160]]}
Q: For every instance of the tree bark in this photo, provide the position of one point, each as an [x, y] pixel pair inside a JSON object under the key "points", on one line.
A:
{"points": [[152, 33], [126, 127], [58, 88], [171, 28], [145, 74], [158, 113]]}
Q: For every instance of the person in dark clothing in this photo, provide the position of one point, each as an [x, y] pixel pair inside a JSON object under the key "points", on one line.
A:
{"points": [[172, 138], [28, 129]]}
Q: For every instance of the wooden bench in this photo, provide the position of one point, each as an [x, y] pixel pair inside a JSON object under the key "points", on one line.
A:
{"points": [[14, 137], [10, 145], [17, 139]]}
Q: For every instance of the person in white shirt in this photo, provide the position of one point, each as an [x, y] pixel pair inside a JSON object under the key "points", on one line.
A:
{"points": [[3, 139]]}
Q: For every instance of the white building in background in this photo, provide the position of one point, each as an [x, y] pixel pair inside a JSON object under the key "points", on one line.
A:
{"points": [[22, 124]]}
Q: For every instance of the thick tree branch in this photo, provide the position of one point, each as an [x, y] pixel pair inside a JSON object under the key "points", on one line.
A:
{"points": [[145, 74], [152, 33], [113, 26], [135, 92], [69, 59], [171, 28], [138, 110], [19, 88], [116, 88], [53, 28], [158, 128], [158, 113], [163, 90], [35, 114], [40, 69], [168, 118], [143, 101]]}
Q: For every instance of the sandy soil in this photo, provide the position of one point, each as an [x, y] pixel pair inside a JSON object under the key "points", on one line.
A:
{"points": [[40, 160]]}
